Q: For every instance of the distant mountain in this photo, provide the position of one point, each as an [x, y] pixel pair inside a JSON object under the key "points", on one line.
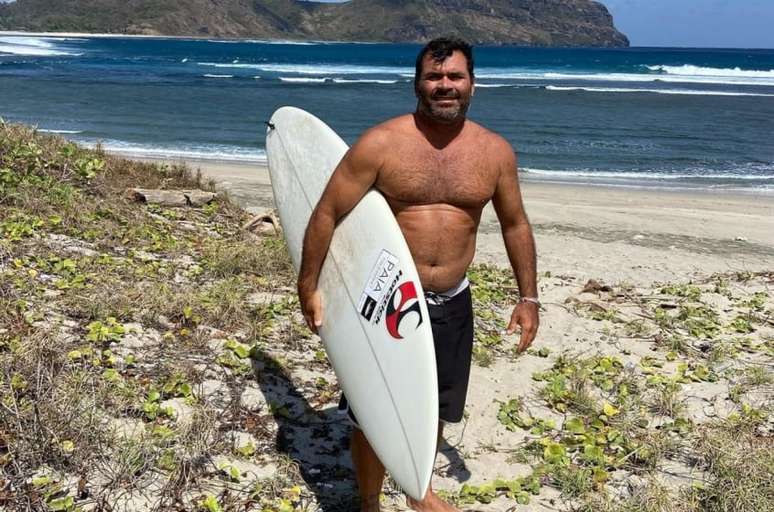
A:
{"points": [[524, 22]]}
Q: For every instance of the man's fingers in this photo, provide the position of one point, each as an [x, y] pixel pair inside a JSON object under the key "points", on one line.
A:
{"points": [[312, 309], [318, 314], [310, 323], [514, 323], [511, 326], [527, 337], [524, 340]]}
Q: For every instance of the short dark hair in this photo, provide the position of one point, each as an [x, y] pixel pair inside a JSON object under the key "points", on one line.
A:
{"points": [[441, 48]]}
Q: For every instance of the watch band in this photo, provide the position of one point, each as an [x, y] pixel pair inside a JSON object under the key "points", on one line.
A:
{"points": [[533, 300]]}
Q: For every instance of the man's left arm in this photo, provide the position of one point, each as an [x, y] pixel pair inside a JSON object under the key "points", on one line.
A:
{"points": [[520, 245]]}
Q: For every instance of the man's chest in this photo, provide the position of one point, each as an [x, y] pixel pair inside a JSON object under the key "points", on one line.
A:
{"points": [[466, 180]]}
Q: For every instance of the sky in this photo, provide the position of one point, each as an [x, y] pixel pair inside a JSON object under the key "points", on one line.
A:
{"points": [[696, 23]]}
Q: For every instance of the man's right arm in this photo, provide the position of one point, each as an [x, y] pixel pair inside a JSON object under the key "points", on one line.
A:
{"points": [[352, 178]]}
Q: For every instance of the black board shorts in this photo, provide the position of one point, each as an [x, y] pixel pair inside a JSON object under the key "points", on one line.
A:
{"points": [[451, 320]]}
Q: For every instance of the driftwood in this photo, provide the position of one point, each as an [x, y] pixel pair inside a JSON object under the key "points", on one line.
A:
{"points": [[264, 223], [172, 197]]}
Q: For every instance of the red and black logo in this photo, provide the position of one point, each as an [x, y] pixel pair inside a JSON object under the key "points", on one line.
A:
{"points": [[396, 313]]}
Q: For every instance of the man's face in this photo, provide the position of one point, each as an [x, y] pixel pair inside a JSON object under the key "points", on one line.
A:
{"points": [[444, 88]]}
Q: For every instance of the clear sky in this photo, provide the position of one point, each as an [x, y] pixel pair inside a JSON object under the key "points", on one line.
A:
{"points": [[698, 23]]}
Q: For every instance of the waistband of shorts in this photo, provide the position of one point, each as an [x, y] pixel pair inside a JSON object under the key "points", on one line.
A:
{"points": [[441, 297]]}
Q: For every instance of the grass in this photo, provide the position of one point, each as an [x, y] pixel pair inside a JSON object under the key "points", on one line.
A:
{"points": [[632, 419], [81, 264], [741, 468]]}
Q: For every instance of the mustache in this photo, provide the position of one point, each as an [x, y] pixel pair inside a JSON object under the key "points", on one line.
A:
{"points": [[445, 96]]}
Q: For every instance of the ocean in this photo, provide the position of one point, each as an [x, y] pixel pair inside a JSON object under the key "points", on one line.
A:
{"points": [[641, 117]]}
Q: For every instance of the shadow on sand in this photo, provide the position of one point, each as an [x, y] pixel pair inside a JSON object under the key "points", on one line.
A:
{"points": [[318, 440]]}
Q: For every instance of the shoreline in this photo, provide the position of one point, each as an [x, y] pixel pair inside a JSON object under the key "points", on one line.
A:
{"points": [[613, 234], [526, 178]]}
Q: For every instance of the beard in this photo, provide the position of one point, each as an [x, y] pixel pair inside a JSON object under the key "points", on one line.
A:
{"points": [[444, 114]]}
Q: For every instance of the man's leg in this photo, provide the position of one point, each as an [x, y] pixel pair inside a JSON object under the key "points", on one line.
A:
{"points": [[369, 472], [431, 502]]}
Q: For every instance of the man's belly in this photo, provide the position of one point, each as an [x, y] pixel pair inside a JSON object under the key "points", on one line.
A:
{"points": [[442, 240]]}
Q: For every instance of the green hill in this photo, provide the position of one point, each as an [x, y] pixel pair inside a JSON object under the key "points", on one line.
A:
{"points": [[527, 22]]}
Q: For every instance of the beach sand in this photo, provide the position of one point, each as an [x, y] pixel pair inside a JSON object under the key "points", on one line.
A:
{"points": [[631, 238], [616, 234]]}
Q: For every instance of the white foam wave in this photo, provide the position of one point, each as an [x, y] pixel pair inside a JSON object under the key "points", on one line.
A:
{"points": [[262, 41], [656, 91], [76, 39], [652, 175], [38, 42], [29, 51], [633, 77], [313, 69], [213, 152], [32, 47], [208, 75], [691, 70], [301, 80], [363, 81], [63, 132], [479, 85], [527, 74], [290, 43]]}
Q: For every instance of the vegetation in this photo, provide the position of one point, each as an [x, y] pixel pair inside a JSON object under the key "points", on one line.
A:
{"points": [[560, 23], [624, 418], [114, 315], [154, 358]]}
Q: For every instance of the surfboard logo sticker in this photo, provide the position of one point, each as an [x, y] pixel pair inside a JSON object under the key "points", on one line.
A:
{"points": [[379, 286], [403, 301]]}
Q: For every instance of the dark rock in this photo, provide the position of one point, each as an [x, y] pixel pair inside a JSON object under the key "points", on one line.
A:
{"points": [[593, 286]]}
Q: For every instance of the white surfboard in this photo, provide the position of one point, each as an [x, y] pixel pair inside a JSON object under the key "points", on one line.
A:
{"points": [[376, 328]]}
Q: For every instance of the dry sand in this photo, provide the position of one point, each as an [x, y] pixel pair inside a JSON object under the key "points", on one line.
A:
{"points": [[612, 235], [616, 234]]}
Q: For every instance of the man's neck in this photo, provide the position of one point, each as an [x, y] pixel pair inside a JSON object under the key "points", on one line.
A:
{"points": [[439, 134]]}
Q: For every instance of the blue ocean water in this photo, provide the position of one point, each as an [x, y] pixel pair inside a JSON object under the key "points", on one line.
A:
{"points": [[652, 117]]}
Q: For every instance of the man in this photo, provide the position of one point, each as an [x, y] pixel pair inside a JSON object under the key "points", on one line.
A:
{"points": [[437, 170]]}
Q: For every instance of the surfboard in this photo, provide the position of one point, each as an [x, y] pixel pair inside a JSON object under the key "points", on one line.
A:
{"points": [[376, 328]]}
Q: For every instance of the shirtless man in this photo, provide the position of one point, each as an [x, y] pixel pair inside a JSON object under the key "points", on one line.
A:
{"points": [[437, 170]]}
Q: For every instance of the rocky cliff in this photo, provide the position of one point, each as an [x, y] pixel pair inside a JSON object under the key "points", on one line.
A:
{"points": [[523, 22]]}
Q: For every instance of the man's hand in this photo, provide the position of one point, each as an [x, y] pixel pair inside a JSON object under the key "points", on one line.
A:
{"points": [[525, 315], [311, 307]]}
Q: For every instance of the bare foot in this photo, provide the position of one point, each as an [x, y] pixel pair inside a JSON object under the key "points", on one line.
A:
{"points": [[431, 503]]}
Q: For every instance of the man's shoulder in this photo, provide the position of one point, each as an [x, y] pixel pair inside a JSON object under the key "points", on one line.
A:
{"points": [[385, 132], [495, 143], [394, 127]]}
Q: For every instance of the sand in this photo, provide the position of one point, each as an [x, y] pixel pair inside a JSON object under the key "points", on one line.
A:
{"points": [[617, 234]]}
